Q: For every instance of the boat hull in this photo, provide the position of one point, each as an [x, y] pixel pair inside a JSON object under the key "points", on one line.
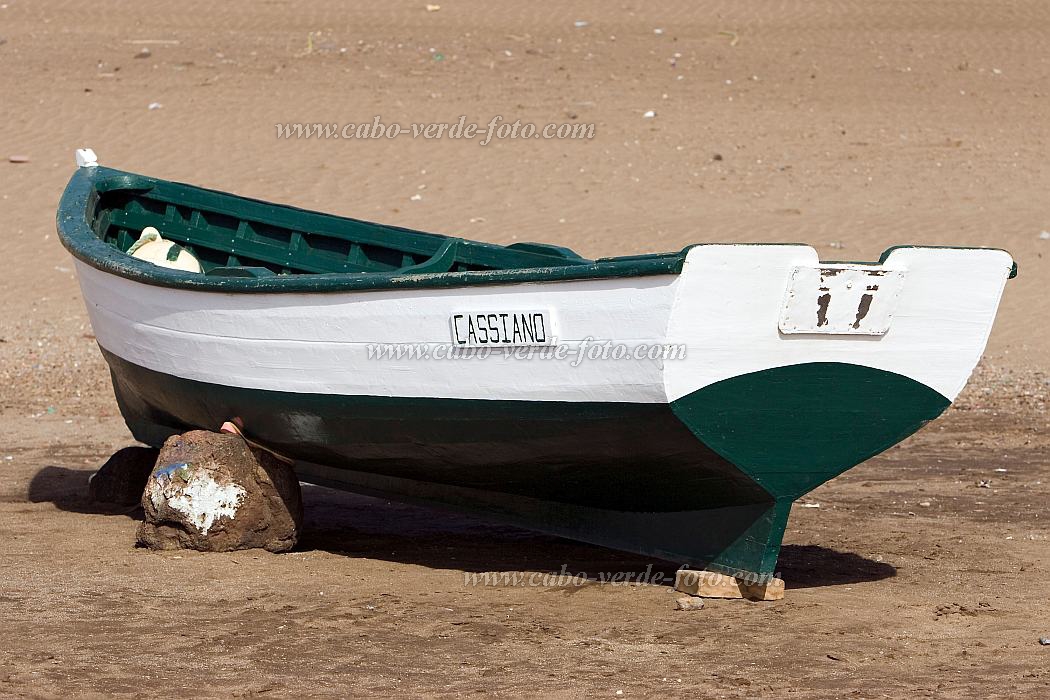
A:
{"points": [[706, 480], [314, 331]]}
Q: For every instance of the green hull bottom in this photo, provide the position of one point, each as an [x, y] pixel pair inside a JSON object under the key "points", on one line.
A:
{"points": [[707, 480]]}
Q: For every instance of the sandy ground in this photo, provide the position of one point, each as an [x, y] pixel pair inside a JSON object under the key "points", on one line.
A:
{"points": [[851, 126]]}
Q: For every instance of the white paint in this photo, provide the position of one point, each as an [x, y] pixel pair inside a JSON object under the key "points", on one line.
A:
{"points": [[318, 343], [841, 299], [725, 307], [200, 497], [729, 300], [86, 158], [154, 249]]}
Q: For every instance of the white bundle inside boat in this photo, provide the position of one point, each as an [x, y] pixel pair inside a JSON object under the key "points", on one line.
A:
{"points": [[153, 248]]}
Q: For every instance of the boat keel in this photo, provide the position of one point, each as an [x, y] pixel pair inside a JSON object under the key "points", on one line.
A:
{"points": [[742, 541]]}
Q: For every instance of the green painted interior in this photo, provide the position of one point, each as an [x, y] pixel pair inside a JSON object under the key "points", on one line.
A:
{"points": [[221, 234], [236, 239], [793, 428]]}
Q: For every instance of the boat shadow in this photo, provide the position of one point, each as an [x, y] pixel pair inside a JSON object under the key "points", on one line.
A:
{"points": [[67, 489], [361, 526]]}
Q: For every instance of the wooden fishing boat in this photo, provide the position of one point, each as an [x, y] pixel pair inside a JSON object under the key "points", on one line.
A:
{"points": [[773, 371]]}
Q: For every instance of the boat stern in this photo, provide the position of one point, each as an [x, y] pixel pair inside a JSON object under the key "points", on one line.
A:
{"points": [[798, 369]]}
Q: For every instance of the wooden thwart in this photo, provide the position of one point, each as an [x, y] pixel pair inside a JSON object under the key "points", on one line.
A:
{"points": [[711, 584]]}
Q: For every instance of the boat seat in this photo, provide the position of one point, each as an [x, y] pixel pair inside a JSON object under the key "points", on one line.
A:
{"points": [[441, 261]]}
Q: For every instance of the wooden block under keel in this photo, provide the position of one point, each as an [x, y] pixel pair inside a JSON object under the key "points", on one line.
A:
{"points": [[711, 584]]}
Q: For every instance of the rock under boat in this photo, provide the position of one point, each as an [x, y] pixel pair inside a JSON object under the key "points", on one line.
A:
{"points": [[728, 380]]}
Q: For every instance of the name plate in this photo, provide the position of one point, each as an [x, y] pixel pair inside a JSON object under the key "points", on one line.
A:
{"points": [[838, 299], [483, 329]]}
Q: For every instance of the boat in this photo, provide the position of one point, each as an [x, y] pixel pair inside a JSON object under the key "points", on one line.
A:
{"points": [[673, 405]]}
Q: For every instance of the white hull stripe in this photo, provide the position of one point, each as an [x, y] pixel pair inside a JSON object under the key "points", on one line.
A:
{"points": [[724, 308], [319, 343]]}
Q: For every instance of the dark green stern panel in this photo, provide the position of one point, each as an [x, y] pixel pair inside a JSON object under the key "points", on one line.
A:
{"points": [[793, 428]]}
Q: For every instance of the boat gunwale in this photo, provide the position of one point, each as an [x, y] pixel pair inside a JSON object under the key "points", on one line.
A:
{"points": [[83, 244]]}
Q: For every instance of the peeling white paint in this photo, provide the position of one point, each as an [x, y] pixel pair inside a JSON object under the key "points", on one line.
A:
{"points": [[841, 299], [198, 496]]}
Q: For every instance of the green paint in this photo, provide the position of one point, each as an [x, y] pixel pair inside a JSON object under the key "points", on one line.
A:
{"points": [[793, 428], [606, 455], [731, 538], [103, 210], [629, 476], [755, 550]]}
